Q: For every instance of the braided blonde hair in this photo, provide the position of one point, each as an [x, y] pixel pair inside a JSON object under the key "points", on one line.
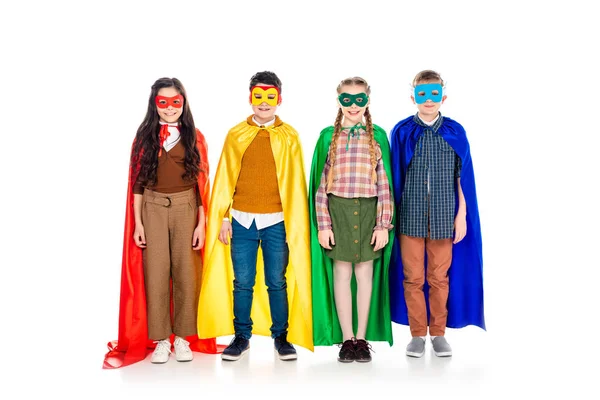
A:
{"points": [[354, 81], [371, 135]]}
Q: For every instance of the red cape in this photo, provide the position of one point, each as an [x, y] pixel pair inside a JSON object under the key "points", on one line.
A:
{"points": [[133, 344]]}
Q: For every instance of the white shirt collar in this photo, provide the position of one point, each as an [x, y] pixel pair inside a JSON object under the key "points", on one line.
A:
{"points": [[271, 122], [173, 137], [432, 122]]}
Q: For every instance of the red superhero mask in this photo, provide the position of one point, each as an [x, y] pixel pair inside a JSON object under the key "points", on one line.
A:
{"points": [[165, 102]]}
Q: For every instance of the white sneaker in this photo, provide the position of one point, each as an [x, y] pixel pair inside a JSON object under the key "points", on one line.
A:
{"points": [[161, 352], [182, 350]]}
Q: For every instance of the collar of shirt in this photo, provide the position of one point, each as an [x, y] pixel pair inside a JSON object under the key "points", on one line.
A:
{"points": [[173, 137], [430, 123], [353, 131], [269, 123], [433, 125]]}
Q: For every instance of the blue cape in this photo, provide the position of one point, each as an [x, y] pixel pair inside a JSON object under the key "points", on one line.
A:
{"points": [[465, 299]]}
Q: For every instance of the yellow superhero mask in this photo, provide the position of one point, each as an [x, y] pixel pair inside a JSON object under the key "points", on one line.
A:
{"points": [[265, 94]]}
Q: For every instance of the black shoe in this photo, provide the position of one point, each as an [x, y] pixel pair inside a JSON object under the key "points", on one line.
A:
{"points": [[284, 349], [347, 352], [236, 349], [363, 350]]}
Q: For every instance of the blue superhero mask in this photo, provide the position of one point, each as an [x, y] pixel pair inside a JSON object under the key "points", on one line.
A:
{"points": [[428, 91]]}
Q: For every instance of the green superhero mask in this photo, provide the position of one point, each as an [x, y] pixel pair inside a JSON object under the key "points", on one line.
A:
{"points": [[359, 99]]}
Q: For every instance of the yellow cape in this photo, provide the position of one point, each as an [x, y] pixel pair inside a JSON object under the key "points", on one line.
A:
{"points": [[215, 308]]}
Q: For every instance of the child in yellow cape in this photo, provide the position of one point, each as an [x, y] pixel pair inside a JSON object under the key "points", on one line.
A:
{"points": [[260, 185]]}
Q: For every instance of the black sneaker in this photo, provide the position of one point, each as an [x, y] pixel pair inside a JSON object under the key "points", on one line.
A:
{"points": [[363, 350], [236, 349], [284, 349], [347, 352]]}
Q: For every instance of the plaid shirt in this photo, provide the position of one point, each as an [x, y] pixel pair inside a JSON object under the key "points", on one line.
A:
{"points": [[428, 199], [352, 178]]}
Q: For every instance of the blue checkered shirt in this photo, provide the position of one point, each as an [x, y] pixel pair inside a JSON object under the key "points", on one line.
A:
{"points": [[428, 198]]}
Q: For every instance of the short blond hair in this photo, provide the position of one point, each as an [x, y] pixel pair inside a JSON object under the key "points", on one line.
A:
{"points": [[427, 75]]}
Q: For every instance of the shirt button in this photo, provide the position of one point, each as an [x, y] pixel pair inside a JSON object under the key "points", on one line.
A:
{"points": [[426, 182], [355, 226], [356, 256], [355, 212], [355, 201], [355, 241]]}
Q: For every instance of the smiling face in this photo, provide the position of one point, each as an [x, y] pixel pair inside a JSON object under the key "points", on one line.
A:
{"points": [[353, 100], [428, 109], [169, 104], [264, 100]]}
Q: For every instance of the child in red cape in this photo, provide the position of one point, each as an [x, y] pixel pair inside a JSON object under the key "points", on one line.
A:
{"points": [[167, 194]]}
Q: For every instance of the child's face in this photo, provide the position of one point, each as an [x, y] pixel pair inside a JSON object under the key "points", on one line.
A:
{"points": [[168, 106], [429, 108], [264, 111], [353, 113]]}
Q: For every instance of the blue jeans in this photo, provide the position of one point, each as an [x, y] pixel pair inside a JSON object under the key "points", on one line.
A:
{"points": [[244, 249]]}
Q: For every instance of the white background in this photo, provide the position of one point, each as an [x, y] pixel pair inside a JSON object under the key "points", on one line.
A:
{"points": [[522, 79]]}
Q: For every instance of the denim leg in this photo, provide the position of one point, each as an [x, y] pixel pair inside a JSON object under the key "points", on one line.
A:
{"points": [[276, 255], [244, 247]]}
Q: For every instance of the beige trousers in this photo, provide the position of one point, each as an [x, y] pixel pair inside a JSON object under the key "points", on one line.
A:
{"points": [[169, 221]]}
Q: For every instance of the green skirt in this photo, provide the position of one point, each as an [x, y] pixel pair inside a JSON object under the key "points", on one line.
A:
{"points": [[353, 221]]}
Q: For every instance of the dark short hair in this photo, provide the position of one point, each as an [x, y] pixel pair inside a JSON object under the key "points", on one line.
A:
{"points": [[266, 77]]}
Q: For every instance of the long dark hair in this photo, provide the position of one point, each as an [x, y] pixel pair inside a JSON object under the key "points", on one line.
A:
{"points": [[144, 157]]}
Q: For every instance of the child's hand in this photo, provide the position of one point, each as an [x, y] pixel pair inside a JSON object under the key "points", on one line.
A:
{"points": [[198, 238], [460, 227], [325, 237], [380, 238], [139, 236], [226, 232]]}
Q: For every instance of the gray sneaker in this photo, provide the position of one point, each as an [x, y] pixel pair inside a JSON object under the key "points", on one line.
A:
{"points": [[416, 347], [441, 348]]}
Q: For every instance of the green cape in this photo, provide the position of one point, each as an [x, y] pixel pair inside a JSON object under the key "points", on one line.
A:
{"points": [[326, 326]]}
